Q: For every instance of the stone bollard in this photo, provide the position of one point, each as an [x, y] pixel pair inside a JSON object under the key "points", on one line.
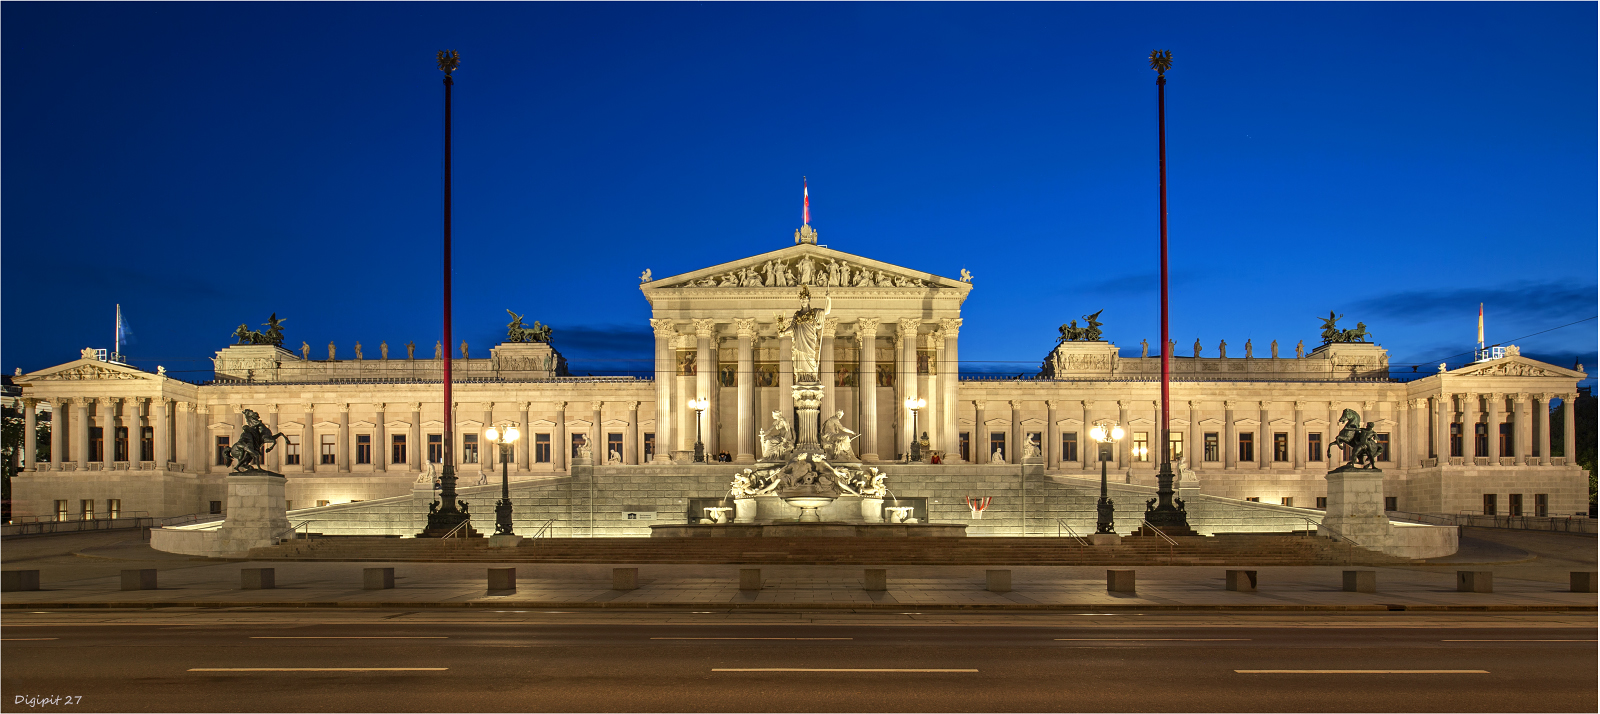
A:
{"points": [[502, 578], [1474, 581], [1243, 581], [1119, 581], [19, 580], [377, 578], [876, 579], [624, 578], [1361, 581], [1582, 581], [139, 579], [997, 581], [256, 579], [749, 578]]}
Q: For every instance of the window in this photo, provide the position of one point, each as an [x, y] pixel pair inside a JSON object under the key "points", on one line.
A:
{"points": [[1508, 439], [997, 442], [1391, 503], [1455, 438], [222, 451], [649, 448], [119, 443], [541, 448], [363, 448], [577, 441], [147, 443], [1253, 499], [1489, 504], [397, 449], [613, 444], [216, 508], [86, 509], [965, 448], [97, 447], [329, 450], [61, 510], [291, 450], [1514, 504], [886, 374], [1141, 446], [1383, 446], [469, 448], [1541, 504], [1288, 500], [844, 376], [1175, 446], [1480, 439], [728, 374], [321, 503], [435, 448], [1322, 502], [1069, 446], [1247, 446], [288, 505], [1314, 446], [113, 508], [1280, 446], [925, 360], [1213, 451]]}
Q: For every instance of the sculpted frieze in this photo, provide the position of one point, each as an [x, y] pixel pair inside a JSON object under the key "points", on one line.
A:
{"points": [[1513, 369], [86, 372], [805, 270]]}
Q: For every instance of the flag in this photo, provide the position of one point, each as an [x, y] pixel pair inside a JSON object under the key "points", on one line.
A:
{"points": [[1480, 323], [805, 190], [124, 332]]}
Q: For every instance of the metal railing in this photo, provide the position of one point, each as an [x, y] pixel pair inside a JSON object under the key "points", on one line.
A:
{"points": [[1061, 525], [302, 526], [1172, 545], [50, 525], [545, 531], [455, 532]]}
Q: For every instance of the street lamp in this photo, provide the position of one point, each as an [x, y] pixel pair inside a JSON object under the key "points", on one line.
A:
{"points": [[699, 407], [915, 449], [1106, 433], [505, 437]]}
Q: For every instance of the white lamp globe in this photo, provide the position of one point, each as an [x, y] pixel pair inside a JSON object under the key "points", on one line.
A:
{"points": [[1116, 432], [1097, 433], [512, 433], [493, 434]]}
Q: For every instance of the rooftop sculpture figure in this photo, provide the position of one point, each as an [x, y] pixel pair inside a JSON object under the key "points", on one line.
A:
{"points": [[251, 449]]}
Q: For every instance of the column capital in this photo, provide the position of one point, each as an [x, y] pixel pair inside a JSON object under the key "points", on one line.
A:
{"points": [[867, 327], [1016, 404], [830, 326], [308, 406], [632, 406], [1521, 397], [30, 402], [1051, 403], [272, 408], [1299, 405], [596, 405], [488, 406], [1124, 403], [1497, 395], [663, 328], [1403, 405], [379, 407], [108, 401], [1368, 405], [1420, 403], [745, 326], [415, 406], [950, 326], [185, 406], [980, 405], [1262, 405], [705, 327], [524, 407], [1229, 404], [561, 406], [1194, 404], [1087, 403], [910, 326], [344, 408]]}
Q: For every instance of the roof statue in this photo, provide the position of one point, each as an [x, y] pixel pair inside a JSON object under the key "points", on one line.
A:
{"points": [[1332, 334], [272, 336], [1089, 333], [515, 332]]}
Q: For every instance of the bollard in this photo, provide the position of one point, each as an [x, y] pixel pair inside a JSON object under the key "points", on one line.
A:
{"points": [[624, 578], [1474, 581], [997, 581], [1119, 581], [139, 579], [1582, 581], [749, 578], [877, 579], [1243, 581], [502, 578], [19, 580], [1361, 581], [377, 578], [256, 579]]}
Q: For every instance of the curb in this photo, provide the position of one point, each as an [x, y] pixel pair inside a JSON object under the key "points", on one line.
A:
{"points": [[969, 607]]}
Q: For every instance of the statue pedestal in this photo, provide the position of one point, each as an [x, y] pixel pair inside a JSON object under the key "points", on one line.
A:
{"points": [[872, 509], [1355, 506], [255, 512], [744, 510]]}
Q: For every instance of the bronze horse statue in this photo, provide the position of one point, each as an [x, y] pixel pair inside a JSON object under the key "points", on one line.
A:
{"points": [[250, 452], [1363, 443]]}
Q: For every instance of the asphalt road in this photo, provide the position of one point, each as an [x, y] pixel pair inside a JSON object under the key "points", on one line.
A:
{"points": [[646, 665]]}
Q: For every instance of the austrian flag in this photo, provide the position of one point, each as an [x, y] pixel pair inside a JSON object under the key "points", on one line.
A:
{"points": [[805, 190]]}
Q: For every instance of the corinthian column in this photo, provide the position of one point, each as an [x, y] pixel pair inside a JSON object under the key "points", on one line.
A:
{"points": [[380, 450], [275, 456], [1569, 430], [906, 380], [825, 369], [1523, 429], [666, 373], [786, 370], [980, 433], [949, 378], [705, 380], [1497, 412], [867, 378], [161, 412], [1545, 442], [1052, 436], [30, 444], [59, 425], [745, 327]]}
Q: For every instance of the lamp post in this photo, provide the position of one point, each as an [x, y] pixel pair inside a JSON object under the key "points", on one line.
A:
{"points": [[504, 437], [699, 407], [1106, 433], [915, 449]]}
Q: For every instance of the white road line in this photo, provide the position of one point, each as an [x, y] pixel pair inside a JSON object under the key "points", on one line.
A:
{"points": [[752, 638], [1517, 640], [319, 669], [801, 669], [1152, 639], [354, 637], [1362, 671], [27, 639]]}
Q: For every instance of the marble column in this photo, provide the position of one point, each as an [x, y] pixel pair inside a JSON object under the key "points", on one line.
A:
{"points": [[867, 379], [1124, 459], [1523, 426], [1263, 436], [1195, 449], [1332, 432], [1297, 444], [488, 451], [950, 381], [521, 461], [1470, 414], [417, 450], [200, 443], [598, 448], [980, 433], [30, 443], [561, 450], [133, 420], [706, 380], [310, 450], [1230, 442], [1014, 449], [1497, 417], [906, 381], [1545, 442], [826, 372], [60, 427], [1400, 441], [932, 422], [1088, 450], [1052, 436], [1442, 409], [666, 373], [786, 375], [182, 434], [380, 437], [1569, 431], [343, 457], [275, 456], [106, 416], [745, 327], [161, 411], [630, 435]]}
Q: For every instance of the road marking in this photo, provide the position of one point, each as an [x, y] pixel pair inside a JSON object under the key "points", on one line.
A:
{"points": [[27, 639], [752, 638], [319, 669], [1517, 640], [353, 637], [1152, 639], [1362, 671], [801, 669]]}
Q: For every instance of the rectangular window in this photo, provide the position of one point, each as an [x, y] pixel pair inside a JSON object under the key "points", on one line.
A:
{"points": [[541, 448], [1175, 446], [1489, 501], [1480, 439], [329, 450], [1314, 446], [119, 443], [397, 448], [1280, 446], [1288, 500], [1322, 502], [86, 509], [321, 502], [1253, 499], [97, 445], [222, 451], [216, 508], [1141, 446], [147, 443], [613, 447], [363, 448], [435, 448], [1247, 446], [844, 376], [1455, 439], [1514, 504], [997, 445], [1391, 503], [113, 508], [1541, 504], [728, 374], [1213, 450], [61, 510], [886, 374], [469, 448], [1383, 445], [925, 361], [965, 447], [291, 450], [649, 447], [1508, 439], [1069, 446], [288, 505]]}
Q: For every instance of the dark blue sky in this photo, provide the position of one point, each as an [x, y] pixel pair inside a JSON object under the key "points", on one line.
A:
{"points": [[208, 164]]}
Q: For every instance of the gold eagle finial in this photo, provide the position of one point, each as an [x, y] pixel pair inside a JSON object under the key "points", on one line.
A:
{"points": [[1160, 61], [449, 61]]}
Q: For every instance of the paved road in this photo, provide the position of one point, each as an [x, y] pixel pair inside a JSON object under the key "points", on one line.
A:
{"points": [[659, 662]]}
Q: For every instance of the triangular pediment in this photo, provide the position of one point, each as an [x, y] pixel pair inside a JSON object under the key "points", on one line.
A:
{"points": [[785, 269], [1515, 366], [86, 370], [537, 423]]}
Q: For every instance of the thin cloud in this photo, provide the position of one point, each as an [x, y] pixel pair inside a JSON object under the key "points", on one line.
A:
{"points": [[1528, 299]]}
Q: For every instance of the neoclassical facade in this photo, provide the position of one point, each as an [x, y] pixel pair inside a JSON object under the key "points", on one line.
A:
{"points": [[1248, 427]]}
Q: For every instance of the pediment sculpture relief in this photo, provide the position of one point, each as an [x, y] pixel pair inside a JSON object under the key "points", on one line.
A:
{"points": [[805, 270], [89, 371], [1513, 369]]}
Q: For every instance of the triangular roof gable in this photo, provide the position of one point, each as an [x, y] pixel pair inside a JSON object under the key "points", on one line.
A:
{"points": [[1515, 366], [795, 253], [86, 369]]}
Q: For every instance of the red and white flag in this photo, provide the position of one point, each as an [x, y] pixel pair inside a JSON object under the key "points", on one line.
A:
{"points": [[805, 191]]}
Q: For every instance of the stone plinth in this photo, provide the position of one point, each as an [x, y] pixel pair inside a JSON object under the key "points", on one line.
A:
{"points": [[1355, 507], [255, 512]]}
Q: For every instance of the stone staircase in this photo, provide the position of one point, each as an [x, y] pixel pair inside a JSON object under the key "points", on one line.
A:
{"points": [[1252, 549]]}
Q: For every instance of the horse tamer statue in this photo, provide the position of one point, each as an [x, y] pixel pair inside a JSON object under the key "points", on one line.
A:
{"points": [[1363, 443], [250, 452]]}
